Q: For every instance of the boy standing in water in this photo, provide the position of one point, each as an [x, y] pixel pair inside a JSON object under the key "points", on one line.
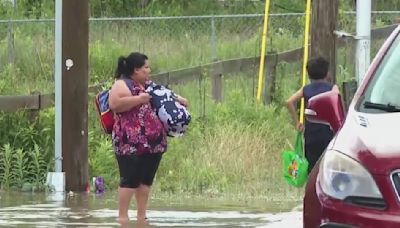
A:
{"points": [[316, 136]]}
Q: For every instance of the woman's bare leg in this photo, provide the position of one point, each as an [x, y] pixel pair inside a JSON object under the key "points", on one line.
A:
{"points": [[124, 199], [142, 196]]}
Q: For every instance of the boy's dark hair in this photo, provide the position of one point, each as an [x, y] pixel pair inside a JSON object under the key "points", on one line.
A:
{"points": [[127, 65], [317, 68]]}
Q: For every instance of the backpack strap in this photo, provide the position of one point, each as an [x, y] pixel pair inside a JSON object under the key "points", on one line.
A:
{"points": [[128, 83]]}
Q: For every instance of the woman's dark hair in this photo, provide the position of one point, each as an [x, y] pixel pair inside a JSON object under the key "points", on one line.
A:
{"points": [[127, 65], [318, 68]]}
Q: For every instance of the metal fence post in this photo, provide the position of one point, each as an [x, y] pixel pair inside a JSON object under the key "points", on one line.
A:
{"points": [[213, 40], [216, 71], [270, 77], [56, 179], [363, 38], [10, 38]]}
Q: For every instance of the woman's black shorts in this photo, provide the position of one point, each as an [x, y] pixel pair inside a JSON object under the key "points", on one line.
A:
{"points": [[135, 170]]}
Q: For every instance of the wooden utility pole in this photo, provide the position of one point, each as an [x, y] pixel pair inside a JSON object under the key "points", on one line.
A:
{"points": [[323, 39], [74, 57]]}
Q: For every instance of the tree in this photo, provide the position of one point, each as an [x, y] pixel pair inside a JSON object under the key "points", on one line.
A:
{"points": [[323, 39]]}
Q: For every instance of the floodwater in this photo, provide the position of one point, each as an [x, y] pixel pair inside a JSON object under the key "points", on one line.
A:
{"points": [[89, 210]]}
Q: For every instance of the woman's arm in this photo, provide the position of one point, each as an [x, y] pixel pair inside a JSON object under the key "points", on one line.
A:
{"points": [[122, 100], [182, 100]]}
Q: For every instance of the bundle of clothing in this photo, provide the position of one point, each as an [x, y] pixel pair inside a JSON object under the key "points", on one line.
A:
{"points": [[172, 114]]}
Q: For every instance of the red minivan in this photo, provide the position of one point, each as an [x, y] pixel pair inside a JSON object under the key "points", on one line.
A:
{"points": [[356, 183]]}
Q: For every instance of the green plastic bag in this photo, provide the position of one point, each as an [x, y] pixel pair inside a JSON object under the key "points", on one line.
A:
{"points": [[295, 165]]}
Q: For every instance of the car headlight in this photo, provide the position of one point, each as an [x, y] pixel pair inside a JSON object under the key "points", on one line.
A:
{"points": [[340, 177]]}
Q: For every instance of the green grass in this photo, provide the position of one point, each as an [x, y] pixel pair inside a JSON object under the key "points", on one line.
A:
{"points": [[170, 45], [231, 148]]}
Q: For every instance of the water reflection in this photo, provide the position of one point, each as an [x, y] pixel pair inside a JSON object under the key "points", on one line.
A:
{"points": [[87, 210]]}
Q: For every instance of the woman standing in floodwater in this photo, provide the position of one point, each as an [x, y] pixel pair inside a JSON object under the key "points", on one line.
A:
{"points": [[139, 138]]}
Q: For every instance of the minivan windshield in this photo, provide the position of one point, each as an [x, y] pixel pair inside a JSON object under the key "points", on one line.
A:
{"points": [[383, 92]]}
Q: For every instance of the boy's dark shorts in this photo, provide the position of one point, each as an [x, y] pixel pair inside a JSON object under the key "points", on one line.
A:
{"points": [[135, 170], [313, 152]]}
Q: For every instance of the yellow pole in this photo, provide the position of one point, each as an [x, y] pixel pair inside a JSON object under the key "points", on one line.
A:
{"points": [[305, 57], [263, 48]]}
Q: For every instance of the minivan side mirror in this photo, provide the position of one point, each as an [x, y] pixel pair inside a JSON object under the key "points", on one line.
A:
{"points": [[326, 108]]}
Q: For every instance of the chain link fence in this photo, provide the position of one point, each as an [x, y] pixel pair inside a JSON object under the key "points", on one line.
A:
{"points": [[346, 54], [170, 42]]}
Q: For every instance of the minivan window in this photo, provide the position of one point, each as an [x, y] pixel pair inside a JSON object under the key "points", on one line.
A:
{"points": [[383, 92]]}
